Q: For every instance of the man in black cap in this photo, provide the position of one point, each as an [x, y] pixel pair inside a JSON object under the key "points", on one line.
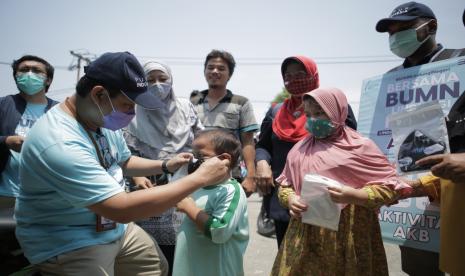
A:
{"points": [[412, 35], [73, 214]]}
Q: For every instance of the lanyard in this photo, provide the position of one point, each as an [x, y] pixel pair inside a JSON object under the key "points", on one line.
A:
{"points": [[101, 223], [78, 119]]}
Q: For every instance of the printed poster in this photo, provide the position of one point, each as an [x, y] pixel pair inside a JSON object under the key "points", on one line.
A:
{"points": [[412, 222]]}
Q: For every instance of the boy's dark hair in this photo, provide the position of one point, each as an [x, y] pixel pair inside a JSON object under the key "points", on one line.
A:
{"points": [[48, 67], [223, 142], [226, 56], [85, 84]]}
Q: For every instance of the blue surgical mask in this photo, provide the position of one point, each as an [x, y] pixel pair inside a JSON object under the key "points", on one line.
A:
{"points": [[319, 128], [116, 119], [30, 83], [405, 43], [163, 89]]}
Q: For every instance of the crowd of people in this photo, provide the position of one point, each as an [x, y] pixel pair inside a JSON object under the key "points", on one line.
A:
{"points": [[125, 178]]}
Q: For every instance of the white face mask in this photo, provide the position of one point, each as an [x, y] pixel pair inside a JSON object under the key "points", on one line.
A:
{"points": [[161, 89]]}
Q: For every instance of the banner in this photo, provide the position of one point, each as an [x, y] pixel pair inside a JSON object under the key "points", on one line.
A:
{"points": [[412, 222]]}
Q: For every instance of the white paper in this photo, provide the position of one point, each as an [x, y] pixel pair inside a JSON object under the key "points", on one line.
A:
{"points": [[322, 211]]}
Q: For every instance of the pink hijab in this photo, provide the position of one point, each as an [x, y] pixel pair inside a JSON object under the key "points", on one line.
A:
{"points": [[345, 156]]}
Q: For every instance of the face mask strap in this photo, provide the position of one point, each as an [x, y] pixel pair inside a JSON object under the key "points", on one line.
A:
{"points": [[108, 96], [422, 25], [98, 106]]}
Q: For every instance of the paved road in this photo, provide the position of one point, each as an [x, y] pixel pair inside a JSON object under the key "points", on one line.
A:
{"points": [[261, 251]]}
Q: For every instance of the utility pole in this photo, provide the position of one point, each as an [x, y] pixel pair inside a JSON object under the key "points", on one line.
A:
{"points": [[80, 57]]}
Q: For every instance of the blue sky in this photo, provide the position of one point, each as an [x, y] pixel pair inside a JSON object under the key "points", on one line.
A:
{"points": [[260, 34]]}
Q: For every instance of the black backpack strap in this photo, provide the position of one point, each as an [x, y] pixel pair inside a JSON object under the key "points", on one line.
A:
{"points": [[449, 53]]}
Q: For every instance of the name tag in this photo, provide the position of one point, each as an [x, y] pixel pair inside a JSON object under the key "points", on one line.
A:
{"points": [[104, 224]]}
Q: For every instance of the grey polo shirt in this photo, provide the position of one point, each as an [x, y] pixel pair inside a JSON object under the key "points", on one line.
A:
{"points": [[233, 112]]}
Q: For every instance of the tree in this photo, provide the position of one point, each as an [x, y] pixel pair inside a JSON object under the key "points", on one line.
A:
{"points": [[280, 97]]}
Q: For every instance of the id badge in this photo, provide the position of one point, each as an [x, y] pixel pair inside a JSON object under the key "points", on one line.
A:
{"points": [[104, 224]]}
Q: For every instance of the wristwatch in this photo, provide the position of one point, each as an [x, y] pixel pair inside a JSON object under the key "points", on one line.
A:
{"points": [[164, 167]]}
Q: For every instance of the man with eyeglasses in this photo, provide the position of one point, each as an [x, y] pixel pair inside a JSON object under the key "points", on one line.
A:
{"points": [[73, 214], [412, 35], [33, 76], [18, 113]]}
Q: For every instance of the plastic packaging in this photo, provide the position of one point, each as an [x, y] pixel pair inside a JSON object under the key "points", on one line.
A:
{"points": [[322, 211], [418, 132]]}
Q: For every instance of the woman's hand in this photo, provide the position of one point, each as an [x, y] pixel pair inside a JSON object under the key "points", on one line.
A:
{"points": [[285, 184], [176, 162], [142, 182], [264, 177], [348, 195], [413, 183], [296, 206]]}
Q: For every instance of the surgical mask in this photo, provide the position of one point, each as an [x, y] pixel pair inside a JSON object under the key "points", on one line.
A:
{"points": [[405, 43], [319, 128], [161, 89], [30, 83], [116, 119], [194, 164], [299, 85]]}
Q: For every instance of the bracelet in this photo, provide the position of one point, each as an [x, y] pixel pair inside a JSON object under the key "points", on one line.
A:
{"points": [[283, 196], [371, 201], [164, 167]]}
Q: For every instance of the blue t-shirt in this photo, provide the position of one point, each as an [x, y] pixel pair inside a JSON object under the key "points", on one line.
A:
{"points": [[9, 179], [60, 176]]}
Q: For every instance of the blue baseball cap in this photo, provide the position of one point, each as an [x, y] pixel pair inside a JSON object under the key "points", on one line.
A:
{"points": [[405, 12], [123, 71]]}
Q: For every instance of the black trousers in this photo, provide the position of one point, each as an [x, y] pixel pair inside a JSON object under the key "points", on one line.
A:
{"points": [[417, 262], [280, 229]]}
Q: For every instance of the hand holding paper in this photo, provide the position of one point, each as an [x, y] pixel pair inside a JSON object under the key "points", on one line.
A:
{"points": [[296, 206], [322, 210], [347, 195]]}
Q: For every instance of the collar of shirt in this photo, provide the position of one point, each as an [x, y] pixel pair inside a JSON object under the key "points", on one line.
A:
{"points": [[225, 99], [426, 59]]}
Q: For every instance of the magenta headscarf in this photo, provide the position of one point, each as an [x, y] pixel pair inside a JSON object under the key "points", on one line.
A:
{"points": [[345, 156]]}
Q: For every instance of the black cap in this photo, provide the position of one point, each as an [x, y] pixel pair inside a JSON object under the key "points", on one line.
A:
{"points": [[405, 12], [122, 71]]}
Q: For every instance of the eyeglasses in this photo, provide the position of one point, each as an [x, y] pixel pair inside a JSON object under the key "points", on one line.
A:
{"points": [[33, 69]]}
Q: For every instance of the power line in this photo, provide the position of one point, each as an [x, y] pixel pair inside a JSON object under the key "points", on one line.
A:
{"points": [[266, 61], [272, 58], [82, 55], [61, 91], [274, 62], [178, 63]]}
